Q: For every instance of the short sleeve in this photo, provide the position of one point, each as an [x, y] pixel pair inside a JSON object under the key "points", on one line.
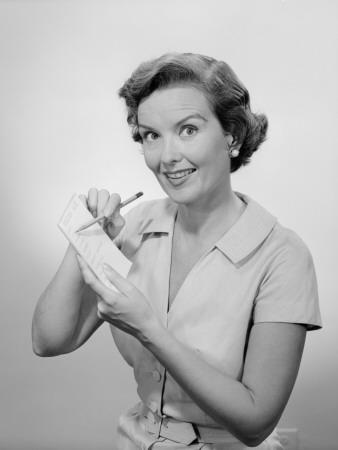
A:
{"points": [[289, 292]]}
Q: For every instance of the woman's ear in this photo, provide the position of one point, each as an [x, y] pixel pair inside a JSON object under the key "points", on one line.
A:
{"points": [[233, 147], [232, 143]]}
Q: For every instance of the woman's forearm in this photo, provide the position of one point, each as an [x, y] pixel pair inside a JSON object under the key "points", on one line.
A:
{"points": [[65, 315]]}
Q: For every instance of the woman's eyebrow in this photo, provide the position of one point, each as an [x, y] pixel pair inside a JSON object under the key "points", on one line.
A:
{"points": [[144, 126], [191, 116]]}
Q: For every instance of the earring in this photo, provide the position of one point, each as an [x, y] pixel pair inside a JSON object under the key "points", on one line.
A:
{"points": [[233, 153]]}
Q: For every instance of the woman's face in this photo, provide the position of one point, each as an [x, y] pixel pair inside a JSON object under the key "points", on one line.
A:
{"points": [[185, 145]]}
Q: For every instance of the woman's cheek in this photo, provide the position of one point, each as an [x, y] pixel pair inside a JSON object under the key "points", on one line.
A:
{"points": [[150, 160]]}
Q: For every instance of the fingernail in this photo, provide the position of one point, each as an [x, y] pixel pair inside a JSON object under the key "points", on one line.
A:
{"points": [[106, 267]]}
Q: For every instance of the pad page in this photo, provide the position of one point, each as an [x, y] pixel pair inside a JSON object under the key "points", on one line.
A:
{"points": [[92, 244]]}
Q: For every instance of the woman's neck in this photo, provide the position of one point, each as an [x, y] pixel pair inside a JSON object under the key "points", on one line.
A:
{"points": [[216, 217]]}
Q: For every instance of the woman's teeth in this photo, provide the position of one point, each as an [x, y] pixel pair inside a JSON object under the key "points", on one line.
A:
{"points": [[180, 174]]}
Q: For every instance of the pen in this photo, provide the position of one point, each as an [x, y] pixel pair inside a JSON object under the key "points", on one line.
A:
{"points": [[97, 219]]}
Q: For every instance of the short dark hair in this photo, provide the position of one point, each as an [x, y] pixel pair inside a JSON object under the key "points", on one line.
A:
{"points": [[228, 97]]}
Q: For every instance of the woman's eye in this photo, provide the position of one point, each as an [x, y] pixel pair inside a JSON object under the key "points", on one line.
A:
{"points": [[188, 130], [150, 136]]}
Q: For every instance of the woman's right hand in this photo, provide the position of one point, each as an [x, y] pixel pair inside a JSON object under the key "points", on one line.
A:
{"points": [[101, 202]]}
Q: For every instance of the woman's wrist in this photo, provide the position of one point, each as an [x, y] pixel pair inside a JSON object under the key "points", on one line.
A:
{"points": [[152, 334]]}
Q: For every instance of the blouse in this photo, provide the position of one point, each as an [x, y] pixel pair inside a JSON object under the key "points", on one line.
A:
{"points": [[258, 271]]}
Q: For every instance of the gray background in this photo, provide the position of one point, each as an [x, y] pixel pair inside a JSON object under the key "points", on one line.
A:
{"points": [[63, 130]]}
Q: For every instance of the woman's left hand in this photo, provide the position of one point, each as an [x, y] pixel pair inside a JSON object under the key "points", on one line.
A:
{"points": [[127, 309]]}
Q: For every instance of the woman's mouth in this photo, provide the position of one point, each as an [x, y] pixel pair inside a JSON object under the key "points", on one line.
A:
{"points": [[179, 174]]}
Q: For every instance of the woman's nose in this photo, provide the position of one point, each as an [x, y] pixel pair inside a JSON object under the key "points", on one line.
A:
{"points": [[170, 152]]}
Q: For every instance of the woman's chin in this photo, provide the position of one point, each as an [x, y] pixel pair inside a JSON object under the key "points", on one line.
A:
{"points": [[180, 197], [178, 193]]}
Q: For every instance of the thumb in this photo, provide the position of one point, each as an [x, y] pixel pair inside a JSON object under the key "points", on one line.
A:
{"points": [[117, 219], [116, 279]]}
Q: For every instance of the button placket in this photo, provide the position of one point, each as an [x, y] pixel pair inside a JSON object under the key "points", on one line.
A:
{"points": [[154, 421]]}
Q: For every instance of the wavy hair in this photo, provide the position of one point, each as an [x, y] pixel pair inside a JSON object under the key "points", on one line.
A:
{"points": [[227, 96]]}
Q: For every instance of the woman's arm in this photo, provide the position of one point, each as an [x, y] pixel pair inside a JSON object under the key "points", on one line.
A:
{"points": [[66, 313], [249, 408]]}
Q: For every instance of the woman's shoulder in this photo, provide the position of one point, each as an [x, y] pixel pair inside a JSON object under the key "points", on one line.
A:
{"points": [[272, 236], [280, 235], [287, 242]]}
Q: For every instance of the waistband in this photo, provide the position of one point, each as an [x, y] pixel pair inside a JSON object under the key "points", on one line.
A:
{"points": [[186, 432]]}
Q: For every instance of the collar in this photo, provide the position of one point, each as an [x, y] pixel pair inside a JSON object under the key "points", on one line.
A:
{"points": [[248, 232], [245, 235]]}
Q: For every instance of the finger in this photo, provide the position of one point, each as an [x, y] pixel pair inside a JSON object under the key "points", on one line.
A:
{"points": [[102, 200], [83, 199], [92, 201], [113, 205], [118, 281], [117, 220], [112, 226], [91, 279]]}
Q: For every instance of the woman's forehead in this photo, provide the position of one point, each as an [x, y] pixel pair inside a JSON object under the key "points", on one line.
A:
{"points": [[172, 103]]}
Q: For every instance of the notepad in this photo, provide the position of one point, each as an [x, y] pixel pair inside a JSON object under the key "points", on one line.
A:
{"points": [[92, 244]]}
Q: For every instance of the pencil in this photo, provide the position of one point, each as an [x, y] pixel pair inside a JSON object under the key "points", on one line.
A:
{"points": [[97, 219]]}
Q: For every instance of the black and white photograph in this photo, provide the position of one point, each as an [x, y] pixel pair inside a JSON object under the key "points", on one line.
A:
{"points": [[169, 216]]}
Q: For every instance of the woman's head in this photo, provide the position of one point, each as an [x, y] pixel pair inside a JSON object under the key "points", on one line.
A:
{"points": [[227, 96]]}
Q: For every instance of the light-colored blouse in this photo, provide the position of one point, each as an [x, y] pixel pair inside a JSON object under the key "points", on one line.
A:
{"points": [[258, 271]]}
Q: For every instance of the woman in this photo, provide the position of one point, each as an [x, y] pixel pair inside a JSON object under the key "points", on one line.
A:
{"points": [[214, 313]]}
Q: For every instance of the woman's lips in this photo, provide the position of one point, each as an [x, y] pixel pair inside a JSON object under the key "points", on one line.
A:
{"points": [[179, 177], [179, 174]]}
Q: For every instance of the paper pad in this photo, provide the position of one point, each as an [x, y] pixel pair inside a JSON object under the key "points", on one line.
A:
{"points": [[92, 244]]}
